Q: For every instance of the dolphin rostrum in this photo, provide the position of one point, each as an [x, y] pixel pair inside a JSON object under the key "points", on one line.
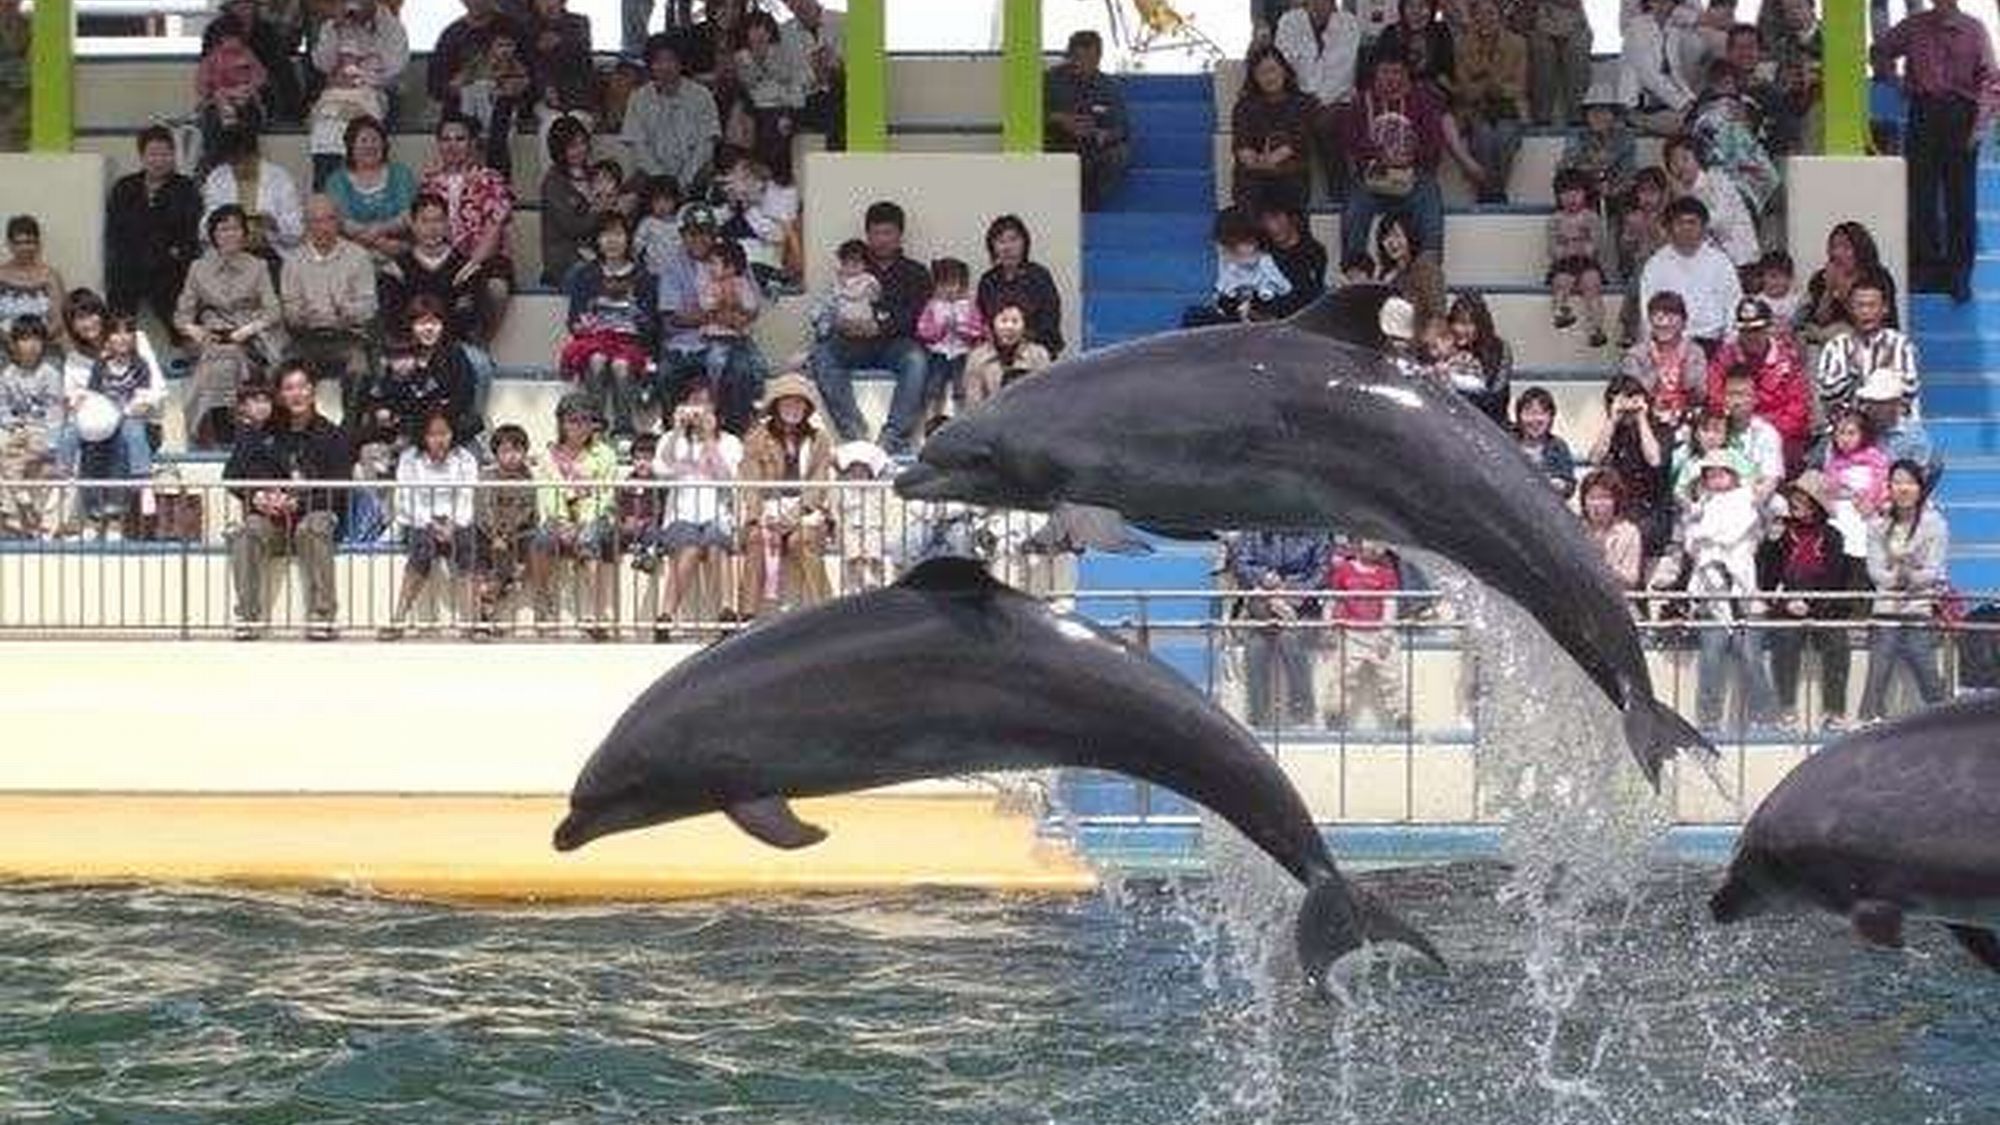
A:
{"points": [[948, 672], [1899, 820], [1302, 424]]}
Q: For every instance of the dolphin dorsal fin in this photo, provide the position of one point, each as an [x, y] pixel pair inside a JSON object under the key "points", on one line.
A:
{"points": [[1351, 314], [949, 574]]}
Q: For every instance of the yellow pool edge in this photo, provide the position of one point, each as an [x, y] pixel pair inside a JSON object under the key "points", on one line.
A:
{"points": [[496, 848]]}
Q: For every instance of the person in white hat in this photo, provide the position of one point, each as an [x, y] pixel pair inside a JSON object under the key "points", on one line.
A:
{"points": [[1720, 535], [1899, 434], [864, 514], [1851, 358]]}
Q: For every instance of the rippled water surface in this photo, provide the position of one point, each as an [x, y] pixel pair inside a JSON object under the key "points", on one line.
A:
{"points": [[1131, 1007]]}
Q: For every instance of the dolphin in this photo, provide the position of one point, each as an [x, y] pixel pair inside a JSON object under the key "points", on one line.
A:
{"points": [[1897, 821], [949, 671], [1304, 424]]}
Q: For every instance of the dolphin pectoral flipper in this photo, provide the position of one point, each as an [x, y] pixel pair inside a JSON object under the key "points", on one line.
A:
{"points": [[1337, 919], [1978, 941], [771, 820], [1879, 922]]}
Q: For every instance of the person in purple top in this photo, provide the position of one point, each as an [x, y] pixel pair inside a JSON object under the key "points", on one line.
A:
{"points": [[1947, 68]]}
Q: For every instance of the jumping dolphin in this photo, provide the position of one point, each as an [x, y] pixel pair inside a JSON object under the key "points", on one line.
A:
{"points": [[948, 672], [1303, 424], [1898, 820]]}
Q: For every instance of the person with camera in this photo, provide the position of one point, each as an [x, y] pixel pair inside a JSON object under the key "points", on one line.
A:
{"points": [[702, 459], [1086, 116], [1634, 443]]}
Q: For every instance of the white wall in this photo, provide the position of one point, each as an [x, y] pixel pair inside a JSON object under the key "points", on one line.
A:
{"points": [[1823, 190], [65, 192]]}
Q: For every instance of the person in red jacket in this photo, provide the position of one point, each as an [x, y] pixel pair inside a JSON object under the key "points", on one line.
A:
{"points": [[1778, 371]]}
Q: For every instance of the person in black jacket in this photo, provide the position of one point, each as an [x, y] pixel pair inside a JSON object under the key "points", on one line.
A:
{"points": [[1017, 279], [444, 381], [275, 45], [1809, 556], [889, 344], [297, 445], [1298, 255], [151, 232]]}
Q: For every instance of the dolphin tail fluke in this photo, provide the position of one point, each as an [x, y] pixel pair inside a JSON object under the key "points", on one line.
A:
{"points": [[1657, 732], [1338, 918]]}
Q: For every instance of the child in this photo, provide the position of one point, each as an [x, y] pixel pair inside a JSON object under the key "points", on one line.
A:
{"points": [[848, 309], [640, 507], [1671, 366], [658, 237], [1604, 150], [1857, 479], [1777, 285], [1534, 423], [434, 514], [701, 527], [1642, 230], [864, 515], [730, 302], [1247, 280], [505, 518], [1604, 521], [32, 412], [950, 327], [1576, 247], [611, 318], [134, 388], [1708, 439], [607, 186], [1357, 268], [1364, 639], [1450, 364], [1721, 536]]}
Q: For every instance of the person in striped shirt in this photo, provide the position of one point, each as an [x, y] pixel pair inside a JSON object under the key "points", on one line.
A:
{"points": [[1847, 360]]}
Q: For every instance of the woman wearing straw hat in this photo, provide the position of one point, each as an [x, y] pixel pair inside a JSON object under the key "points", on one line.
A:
{"points": [[785, 530]]}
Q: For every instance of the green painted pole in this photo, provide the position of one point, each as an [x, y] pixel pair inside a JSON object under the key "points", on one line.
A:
{"points": [[51, 90], [1021, 77], [1844, 79], [867, 76]]}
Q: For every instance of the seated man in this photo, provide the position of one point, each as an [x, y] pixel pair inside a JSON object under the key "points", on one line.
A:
{"points": [[1395, 134], [1693, 266], [1850, 360], [1086, 116], [889, 342], [297, 444], [329, 297]]}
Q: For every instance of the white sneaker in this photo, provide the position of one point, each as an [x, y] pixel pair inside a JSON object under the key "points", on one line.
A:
{"points": [[113, 533]]}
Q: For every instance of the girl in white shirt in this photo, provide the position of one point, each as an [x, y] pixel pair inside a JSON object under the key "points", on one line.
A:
{"points": [[434, 510]]}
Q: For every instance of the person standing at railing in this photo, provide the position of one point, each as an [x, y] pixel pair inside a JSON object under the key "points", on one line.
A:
{"points": [[298, 445], [575, 512], [1808, 556], [505, 518], [1907, 548], [1603, 499], [32, 412], [1277, 655], [785, 530], [701, 458], [434, 516], [1085, 114], [1720, 535], [1366, 640]]}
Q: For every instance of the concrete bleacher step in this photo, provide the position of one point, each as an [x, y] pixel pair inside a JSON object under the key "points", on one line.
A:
{"points": [[1137, 230], [1163, 189], [1963, 393], [1973, 521], [1530, 181], [1955, 435]]}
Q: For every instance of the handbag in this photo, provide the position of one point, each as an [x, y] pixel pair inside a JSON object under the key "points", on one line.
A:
{"points": [[1385, 180]]}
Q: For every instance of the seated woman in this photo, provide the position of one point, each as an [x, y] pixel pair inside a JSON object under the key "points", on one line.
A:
{"points": [[1006, 355], [431, 267], [1851, 255], [230, 315], [434, 510], [1603, 503], [1015, 278], [785, 530], [29, 286], [373, 193], [445, 381], [775, 78], [570, 209], [611, 318], [1471, 326], [1270, 125], [700, 531], [274, 214], [1409, 270]]}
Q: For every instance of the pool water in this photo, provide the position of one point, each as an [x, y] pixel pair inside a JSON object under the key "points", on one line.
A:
{"points": [[175, 1005]]}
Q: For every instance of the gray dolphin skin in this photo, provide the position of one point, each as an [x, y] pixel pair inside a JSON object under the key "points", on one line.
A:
{"points": [[948, 672], [1901, 820], [1302, 424]]}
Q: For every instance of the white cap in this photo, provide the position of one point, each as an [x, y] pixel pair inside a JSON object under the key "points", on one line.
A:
{"points": [[1398, 319], [860, 453], [1882, 385]]}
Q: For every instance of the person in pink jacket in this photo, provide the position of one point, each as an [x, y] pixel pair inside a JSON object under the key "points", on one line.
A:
{"points": [[949, 327], [1857, 479]]}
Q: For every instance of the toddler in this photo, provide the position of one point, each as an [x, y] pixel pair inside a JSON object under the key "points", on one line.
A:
{"points": [[32, 412], [658, 237], [730, 302], [848, 309], [1777, 284], [864, 516], [950, 327], [1247, 279], [1857, 478]]}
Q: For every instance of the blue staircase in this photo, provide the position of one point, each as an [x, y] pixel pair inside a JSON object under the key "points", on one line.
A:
{"points": [[1146, 257], [1958, 350]]}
